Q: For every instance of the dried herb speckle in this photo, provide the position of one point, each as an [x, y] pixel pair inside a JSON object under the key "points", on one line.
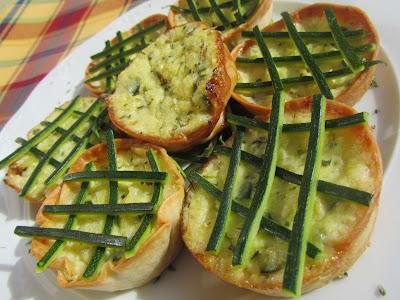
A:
{"points": [[381, 291], [374, 84], [344, 275]]}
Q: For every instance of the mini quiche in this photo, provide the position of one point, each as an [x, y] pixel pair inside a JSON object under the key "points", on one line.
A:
{"points": [[347, 85], [340, 227], [230, 17], [174, 92], [52, 146], [102, 71], [117, 268]]}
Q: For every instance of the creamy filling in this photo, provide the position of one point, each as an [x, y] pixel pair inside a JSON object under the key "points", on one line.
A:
{"points": [[26, 164], [80, 254], [285, 47], [344, 162], [163, 91]]}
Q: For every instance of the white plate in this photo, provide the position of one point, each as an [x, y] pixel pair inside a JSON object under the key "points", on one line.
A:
{"points": [[380, 264]]}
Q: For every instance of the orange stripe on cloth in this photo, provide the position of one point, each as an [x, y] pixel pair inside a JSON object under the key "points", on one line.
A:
{"points": [[72, 22]]}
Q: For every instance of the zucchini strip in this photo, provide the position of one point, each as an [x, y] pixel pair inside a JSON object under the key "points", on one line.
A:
{"points": [[306, 35], [268, 60], [237, 12], [49, 256], [266, 224], [307, 58], [207, 9], [113, 199], [37, 138], [67, 162], [251, 10], [267, 85], [75, 112], [143, 231], [62, 131], [323, 56], [220, 14], [109, 209], [356, 119], [82, 144], [193, 10], [294, 269], [112, 71], [158, 187], [103, 240], [44, 161], [108, 67], [222, 220], [325, 187], [38, 153], [122, 56], [122, 49], [129, 39], [264, 185], [139, 28], [349, 55], [145, 227], [117, 176]]}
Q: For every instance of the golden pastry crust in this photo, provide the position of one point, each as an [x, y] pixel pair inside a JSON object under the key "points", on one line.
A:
{"points": [[217, 91], [345, 252], [261, 17], [147, 22], [153, 255], [347, 16]]}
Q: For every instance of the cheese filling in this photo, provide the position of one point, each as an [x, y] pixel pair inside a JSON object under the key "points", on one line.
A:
{"points": [[80, 254], [24, 167], [286, 47], [163, 91], [344, 163]]}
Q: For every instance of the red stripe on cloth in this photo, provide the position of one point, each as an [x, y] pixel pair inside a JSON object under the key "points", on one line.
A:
{"points": [[18, 84], [68, 19]]}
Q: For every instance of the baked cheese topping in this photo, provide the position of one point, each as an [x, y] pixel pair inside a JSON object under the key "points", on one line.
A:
{"points": [[26, 164], [80, 254], [344, 162], [286, 47], [163, 91]]}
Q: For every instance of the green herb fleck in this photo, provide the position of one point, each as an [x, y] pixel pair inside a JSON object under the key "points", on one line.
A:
{"points": [[255, 254], [134, 89], [374, 84], [381, 290], [344, 275], [270, 269], [326, 163]]}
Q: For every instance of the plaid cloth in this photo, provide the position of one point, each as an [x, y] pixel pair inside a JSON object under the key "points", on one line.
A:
{"points": [[36, 34]]}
